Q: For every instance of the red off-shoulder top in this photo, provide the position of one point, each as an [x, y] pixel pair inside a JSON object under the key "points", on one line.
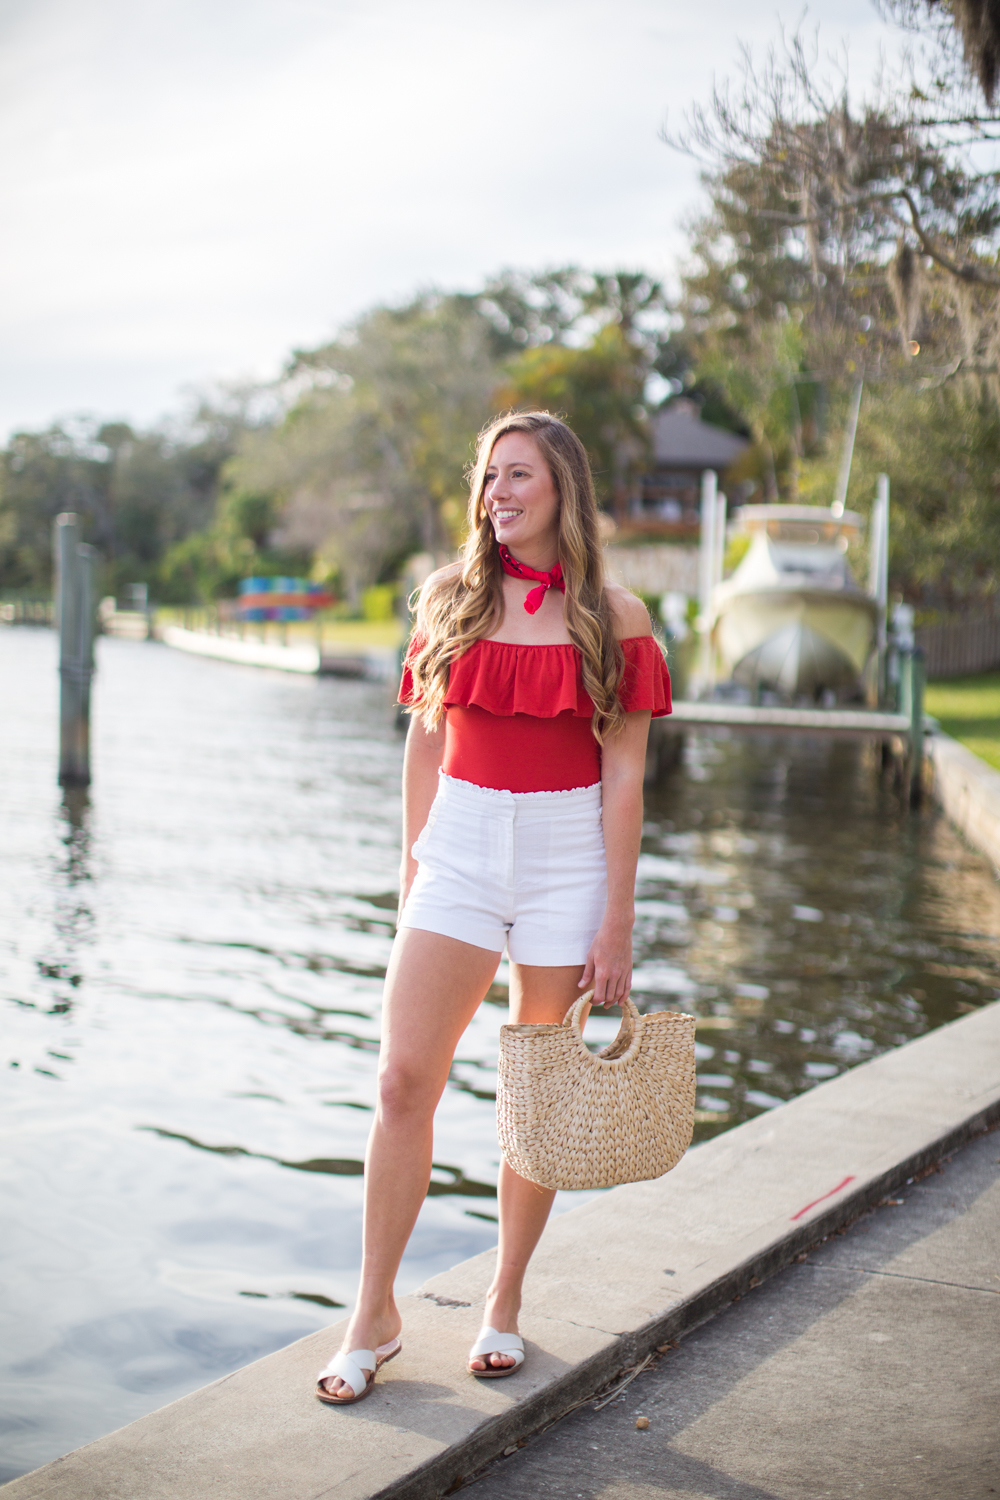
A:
{"points": [[518, 718]]}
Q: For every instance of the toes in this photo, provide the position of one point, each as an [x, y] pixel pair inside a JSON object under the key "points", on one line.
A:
{"points": [[334, 1386]]}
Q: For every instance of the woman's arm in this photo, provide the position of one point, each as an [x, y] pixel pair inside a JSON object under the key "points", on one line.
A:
{"points": [[421, 762], [623, 765], [623, 762], [421, 758]]}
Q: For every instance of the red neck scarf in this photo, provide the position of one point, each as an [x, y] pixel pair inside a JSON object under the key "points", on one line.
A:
{"points": [[545, 581]]}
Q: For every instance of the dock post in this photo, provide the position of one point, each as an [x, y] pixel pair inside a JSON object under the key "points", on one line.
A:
{"points": [[706, 575], [75, 601], [911, 703], [918, 680], [878, 576]]}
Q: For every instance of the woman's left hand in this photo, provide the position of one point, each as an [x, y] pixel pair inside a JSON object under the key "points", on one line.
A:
{"points": [[608, 969]]}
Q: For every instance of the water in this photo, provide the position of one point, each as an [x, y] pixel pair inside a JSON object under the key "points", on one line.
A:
{"points": [[190, 966]]}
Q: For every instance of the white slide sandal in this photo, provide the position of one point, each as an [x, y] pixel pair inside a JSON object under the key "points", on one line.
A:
{"points": [[492, 1342], [358, 1369]]}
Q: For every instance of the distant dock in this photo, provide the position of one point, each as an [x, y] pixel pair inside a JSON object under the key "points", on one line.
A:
{"points": [[377, 663]]}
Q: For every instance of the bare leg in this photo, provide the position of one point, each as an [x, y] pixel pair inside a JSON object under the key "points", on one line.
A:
{"points": [[433, 987], [537, 995]]}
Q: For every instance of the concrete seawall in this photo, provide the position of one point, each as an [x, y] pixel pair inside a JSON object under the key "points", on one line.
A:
{"points": [[378, 663], [968, 791], [612, 1280]]}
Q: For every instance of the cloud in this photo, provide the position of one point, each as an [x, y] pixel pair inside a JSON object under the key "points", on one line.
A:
{"points": [[188, 189]]}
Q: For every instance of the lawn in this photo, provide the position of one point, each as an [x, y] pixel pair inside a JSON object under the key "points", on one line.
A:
{"points": [[969, 709]]}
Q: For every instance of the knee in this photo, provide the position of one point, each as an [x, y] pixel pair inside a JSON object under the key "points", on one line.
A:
{"points": [[403, 1094]]}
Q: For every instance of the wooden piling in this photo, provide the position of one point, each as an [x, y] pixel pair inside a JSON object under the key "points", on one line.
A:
{"points": [[75, 595]]}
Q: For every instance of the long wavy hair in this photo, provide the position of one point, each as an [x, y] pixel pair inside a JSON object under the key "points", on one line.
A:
{"points": [[467, 605]]}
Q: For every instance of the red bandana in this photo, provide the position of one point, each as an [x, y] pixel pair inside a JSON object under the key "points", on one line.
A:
{"points": [[546, 581]]}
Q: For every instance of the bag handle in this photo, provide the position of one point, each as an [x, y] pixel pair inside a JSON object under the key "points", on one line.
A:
{"points": [[626, 1031]]}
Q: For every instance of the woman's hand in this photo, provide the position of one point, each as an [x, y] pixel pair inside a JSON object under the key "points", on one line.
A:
{"points": [[608, 969]]}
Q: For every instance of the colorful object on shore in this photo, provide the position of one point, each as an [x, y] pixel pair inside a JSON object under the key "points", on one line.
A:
{"points": [[280, 599]]}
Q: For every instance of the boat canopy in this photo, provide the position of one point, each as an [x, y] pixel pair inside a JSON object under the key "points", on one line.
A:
{"points": [[800, 523]]}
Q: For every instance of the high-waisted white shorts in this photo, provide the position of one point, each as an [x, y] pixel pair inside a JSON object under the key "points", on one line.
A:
{"points": [[525, 869]]}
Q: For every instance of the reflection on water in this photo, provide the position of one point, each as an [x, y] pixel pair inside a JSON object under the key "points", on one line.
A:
{"points": [[191, 963]]}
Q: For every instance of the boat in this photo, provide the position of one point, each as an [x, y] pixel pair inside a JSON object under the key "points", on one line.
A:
{"points": [[792, 618]]}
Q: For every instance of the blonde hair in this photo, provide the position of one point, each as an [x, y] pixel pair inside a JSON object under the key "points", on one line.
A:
{"points": [[468, 605]]}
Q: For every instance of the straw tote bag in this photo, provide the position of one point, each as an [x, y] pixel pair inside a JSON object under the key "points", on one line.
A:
{"points": [[569, 1118]]}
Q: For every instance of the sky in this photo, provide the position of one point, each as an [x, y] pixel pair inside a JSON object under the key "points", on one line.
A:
{"points": [[189, 189]]}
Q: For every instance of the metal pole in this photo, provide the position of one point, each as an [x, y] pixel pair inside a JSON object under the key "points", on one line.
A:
{"points": [[919, 678], [878, 575], [719, 561], [66, 539], [706, 574], [75, 598], [846, 457]]}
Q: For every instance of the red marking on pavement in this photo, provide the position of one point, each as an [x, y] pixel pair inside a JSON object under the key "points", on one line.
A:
{"points": [[839, 1188]]}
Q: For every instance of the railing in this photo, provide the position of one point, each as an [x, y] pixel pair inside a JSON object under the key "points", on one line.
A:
{"points": [[25, 609], [959, 647]]}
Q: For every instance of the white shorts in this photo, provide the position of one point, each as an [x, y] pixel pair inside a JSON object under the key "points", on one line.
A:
{"points": [[525, 869]]}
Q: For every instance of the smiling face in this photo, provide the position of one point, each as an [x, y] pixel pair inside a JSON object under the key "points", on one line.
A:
{"points": [[521, 500]]}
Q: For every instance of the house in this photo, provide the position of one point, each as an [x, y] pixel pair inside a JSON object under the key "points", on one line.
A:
{"points": [[666, 500]]}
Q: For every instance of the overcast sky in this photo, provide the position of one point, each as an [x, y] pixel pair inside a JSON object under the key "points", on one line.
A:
{"points": [[190, 188]]}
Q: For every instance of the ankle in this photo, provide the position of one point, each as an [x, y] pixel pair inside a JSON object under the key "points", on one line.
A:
{"points": [[503, 1304], [378, 1317]]}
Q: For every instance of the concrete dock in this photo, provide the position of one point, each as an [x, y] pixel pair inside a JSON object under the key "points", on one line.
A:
{"points": [[968, 791], [871, 1366], [379, 663], [613, 1281]]}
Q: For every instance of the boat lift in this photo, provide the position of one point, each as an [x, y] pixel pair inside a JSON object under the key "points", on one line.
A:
{"points": [[897, 670]]}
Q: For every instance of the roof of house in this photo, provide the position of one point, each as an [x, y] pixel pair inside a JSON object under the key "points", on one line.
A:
{"points": [[682, 440]]}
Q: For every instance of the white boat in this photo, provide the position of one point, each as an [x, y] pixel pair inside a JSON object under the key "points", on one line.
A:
{"points": [[793, 618]]}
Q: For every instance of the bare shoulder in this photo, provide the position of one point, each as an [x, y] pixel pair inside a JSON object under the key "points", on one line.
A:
{"points": [[631, 615], [435, 581]]}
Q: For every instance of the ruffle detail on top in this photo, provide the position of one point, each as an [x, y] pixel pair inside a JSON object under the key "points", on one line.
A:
{"points": [[544, 681]]}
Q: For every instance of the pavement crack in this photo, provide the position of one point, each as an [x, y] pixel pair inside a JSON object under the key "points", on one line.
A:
{"points": [[961, 1286]]}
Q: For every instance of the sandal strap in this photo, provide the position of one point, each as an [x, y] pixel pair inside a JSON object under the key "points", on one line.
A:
{"points": [[351, 1368], [492, 1342]]}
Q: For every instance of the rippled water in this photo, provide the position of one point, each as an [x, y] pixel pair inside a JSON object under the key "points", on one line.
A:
{"points": [[191, 960]]}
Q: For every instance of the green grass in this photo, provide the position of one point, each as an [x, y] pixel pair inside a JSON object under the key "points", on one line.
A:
{"points": [[968, 708]]}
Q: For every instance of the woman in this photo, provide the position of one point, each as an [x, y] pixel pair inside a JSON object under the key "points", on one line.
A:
{"points": [[531, 682]]}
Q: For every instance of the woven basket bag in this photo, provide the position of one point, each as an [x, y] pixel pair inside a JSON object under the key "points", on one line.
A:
{"points": [[569, 1118]]}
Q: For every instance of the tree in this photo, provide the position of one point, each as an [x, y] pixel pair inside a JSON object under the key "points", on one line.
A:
{"points": [[593, 342], [139, 494], [972, 25], [844, 244], [874, 220], [41, 475], [599, 390], [369, 461]]}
